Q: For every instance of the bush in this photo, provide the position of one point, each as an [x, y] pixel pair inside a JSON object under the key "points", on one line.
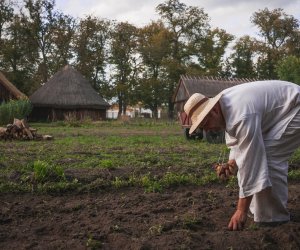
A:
{"points": [[14, 109]]}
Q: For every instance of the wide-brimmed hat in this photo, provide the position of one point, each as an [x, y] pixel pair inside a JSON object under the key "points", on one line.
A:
{"points": [[198, 106]]}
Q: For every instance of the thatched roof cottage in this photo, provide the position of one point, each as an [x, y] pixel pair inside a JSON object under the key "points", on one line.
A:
{"points": [[8, 91], [67, 94]]}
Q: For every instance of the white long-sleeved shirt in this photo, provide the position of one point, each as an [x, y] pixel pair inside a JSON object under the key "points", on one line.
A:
{"points": [[255, 112]]}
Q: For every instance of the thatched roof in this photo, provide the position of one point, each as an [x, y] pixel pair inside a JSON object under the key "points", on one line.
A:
{"points": [[209, 86], [17, 94], [67, 89]]}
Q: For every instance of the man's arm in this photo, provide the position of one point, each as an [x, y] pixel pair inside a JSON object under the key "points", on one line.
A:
{"points": [[239, 218]]}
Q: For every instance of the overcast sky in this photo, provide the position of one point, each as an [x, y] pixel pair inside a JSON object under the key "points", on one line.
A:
{"points": [[231, 15]]}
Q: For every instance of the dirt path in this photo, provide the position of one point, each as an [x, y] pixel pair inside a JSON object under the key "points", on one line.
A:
{"points": [[186, 217]]}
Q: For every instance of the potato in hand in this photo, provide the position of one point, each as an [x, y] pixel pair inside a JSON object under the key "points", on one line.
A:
{"points": [[225, 170]]}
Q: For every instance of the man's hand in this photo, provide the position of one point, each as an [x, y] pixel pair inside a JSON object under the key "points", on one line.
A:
{"points": [[237, 221], [239, 218]]}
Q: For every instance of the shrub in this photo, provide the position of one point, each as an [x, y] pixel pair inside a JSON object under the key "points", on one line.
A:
{"points": [[14, 109]]}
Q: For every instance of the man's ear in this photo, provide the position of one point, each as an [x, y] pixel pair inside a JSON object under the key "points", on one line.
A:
{"points": [[217, 108]]}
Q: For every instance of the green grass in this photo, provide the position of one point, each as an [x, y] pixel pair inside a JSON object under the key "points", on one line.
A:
{"points": [[110, 154]]}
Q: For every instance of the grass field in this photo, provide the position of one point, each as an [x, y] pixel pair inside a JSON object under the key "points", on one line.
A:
{"points": [[144, 153], [153, 152]]}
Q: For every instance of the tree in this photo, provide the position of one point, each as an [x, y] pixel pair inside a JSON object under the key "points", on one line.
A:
{"points": [[188, 26], [91, 50], [39, 27], [18, 53], [154, 47], [51, 32], [276, 28], [288, 69], [6, 15], [293, 44], [210, 52], [63, 31], [243, 58], [124, 62]]}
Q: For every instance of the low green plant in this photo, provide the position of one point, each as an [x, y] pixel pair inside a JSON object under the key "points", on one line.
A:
{"points": [[106, 163], [190, 220], [294, 174], [150, 184], [295, 158], [93, 243], [232, 182], [44, 172], [253, 227], [210, 197], [118, 183], [171, 179], [155, 230], [57, 187], [208, 177]]}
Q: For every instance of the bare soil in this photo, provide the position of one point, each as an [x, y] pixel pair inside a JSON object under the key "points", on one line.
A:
{"points": [[183, 217]]}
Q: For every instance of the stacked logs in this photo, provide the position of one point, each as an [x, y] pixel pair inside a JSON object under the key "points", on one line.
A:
{"points": [[20, 130]]}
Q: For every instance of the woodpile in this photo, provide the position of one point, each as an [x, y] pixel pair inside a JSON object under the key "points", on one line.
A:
{"points": [[20, 130]]}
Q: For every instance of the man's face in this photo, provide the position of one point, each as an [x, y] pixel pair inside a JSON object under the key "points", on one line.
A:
{"points": [[213, 121]]}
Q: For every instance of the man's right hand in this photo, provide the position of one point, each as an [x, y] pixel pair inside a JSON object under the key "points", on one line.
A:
{"points": [[233, 168]]}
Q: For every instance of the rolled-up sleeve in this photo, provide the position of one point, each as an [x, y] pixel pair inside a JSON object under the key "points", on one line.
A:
{"points": [[249, 153]]}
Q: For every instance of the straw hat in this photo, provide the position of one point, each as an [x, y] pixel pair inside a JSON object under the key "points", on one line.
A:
{"points": [[198, 106]]}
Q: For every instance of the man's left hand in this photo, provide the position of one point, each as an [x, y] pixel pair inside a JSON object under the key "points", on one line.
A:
{"points": [[238, 220]]}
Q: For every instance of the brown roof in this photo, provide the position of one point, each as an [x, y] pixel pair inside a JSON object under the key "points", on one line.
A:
{"points": [[10, 87], [209, 86], [67, 89]]}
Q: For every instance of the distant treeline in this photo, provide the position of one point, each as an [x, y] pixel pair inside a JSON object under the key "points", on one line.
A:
{"points": [[142, 65]]}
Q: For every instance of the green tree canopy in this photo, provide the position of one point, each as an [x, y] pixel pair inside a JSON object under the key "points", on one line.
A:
{"points": [[276, 29], [124, 61], [91, 49], [289, 69], [154, 47], [243, 58], [188, 26]]}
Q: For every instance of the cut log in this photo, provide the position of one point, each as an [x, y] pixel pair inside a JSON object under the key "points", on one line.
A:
{"points": [[2, 131], [47, 137], [29, 134]]}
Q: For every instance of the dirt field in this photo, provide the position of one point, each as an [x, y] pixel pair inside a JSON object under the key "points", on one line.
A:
{"points": [[185, 217]]}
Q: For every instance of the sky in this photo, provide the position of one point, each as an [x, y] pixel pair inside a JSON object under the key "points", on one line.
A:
{"points": [[231, 15]]}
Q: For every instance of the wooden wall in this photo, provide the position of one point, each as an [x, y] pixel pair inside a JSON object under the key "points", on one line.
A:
{"points": [[54, 114]]}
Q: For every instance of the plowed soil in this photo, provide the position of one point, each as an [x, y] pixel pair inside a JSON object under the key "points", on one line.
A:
{"points": [[183, 217]]}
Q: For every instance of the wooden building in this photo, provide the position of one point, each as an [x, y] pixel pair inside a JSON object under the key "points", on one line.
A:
{"points": [[8, 91], [67, 94], [208, 86]]}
